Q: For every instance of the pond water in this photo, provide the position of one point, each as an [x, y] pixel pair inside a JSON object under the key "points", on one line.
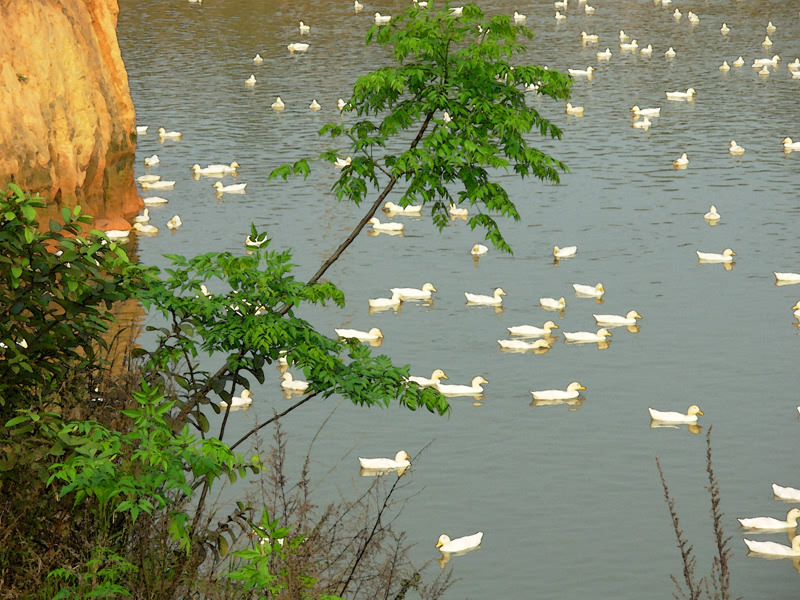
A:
{"points": [[568, 496]]}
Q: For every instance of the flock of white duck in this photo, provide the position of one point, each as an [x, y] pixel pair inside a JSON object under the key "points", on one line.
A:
{"points": [[627, 45], [524, 337]]}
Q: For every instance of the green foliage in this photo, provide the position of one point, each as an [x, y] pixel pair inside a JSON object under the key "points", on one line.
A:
{"points": [[146, 469], [461, 66], [98, 580], [254, 572], [55, 291], [252, 326]]}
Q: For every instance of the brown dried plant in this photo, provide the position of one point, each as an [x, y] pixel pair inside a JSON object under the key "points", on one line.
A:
{"points": [[720, 581]]}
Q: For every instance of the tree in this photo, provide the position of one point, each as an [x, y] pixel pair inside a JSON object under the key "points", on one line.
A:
{"points": [[133, 496], [456, 94]]}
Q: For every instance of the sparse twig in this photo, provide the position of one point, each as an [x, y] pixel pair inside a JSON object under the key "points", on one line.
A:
{"points": [[693, 588]]}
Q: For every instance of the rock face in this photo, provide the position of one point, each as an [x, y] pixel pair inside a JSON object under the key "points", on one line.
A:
{"points": [[67, 122]]}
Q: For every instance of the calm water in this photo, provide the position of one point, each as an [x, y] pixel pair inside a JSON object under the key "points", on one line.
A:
{"points": [[568, 497]]}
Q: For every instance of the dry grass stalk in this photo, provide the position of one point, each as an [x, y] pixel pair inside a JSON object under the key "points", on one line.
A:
{"points": [[720, 572]]}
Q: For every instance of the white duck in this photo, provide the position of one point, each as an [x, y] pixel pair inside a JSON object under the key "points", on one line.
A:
{"points": [[633, 45], [670, 53], [604, 55], [681, 162], [590, 291], [291, 384], [341, 163], [788, 144], [462, 544], [431, 381], [385, 227], [297, 47], [304, 29], [689, 94], [392, 302], [724, 67], [573, 110], [738, 62], [770, 523], [148, 178], [587, 72], [157, 185], [724, 30], [617, 320], [170, 135], [457, 211], [474, 389], [154, 200], [796, 313], [647, 50], [523, 345], [141, 129], [786, 493], [239, 402], [573, 391], [357, 6], [552, 303], [257, 59], [559, 16], [786, 277], [112, 234], [532, 330], [767, 43], [250, 81], [217, 170], [623, 37], [395, 209], [519, 18], [255, 243], [151, 161], [401, 460], [478, 250], [771, 28], [235, 188], [565, 252], [382, 19], [774, 549], [414, 293], [372, 335], [174, 222], [726, 256], [766, 62], [735, 148], [589, 37], [587, 337], [712, 214], [494, 300], [646, 112], [676, 417], [278, 104], [144, 217], [315, 106]]}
